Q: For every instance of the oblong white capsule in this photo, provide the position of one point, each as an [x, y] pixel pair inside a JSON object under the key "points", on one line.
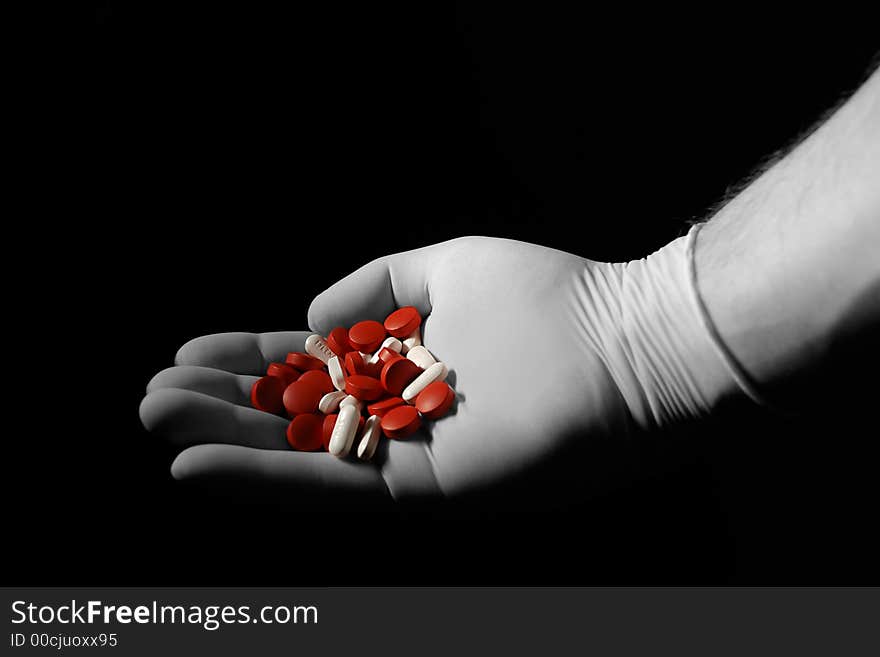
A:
{"points": [[337, 372], [421, 357], [343, 431], [330, 402], [436, 372], [370, 438], [414, 339], [351, 400], [317, 347]]}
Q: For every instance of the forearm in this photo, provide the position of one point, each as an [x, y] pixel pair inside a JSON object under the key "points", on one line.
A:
{"points": [[794, 260], [786, 268]]}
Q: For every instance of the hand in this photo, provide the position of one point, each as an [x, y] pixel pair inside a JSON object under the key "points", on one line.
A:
{"points": [[517, 325]]}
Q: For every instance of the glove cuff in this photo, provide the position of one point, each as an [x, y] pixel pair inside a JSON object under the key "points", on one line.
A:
{"points": [[651, 332]]}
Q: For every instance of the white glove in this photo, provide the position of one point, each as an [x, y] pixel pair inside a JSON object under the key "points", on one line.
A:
{"points": [[558, 363]]}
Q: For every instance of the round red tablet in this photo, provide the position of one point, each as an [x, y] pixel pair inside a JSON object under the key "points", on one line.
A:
{"points": [[327, 429], [338, 341], [382, 406], [301, 397], [400, 422], [435, 400], [267, 394], [284, 371], [305, 432], [402, 322], [373, 369], [319, 379], [398, 374], [386, 355], [303, 362], [354, 363], [366, 336], [365, 388]]}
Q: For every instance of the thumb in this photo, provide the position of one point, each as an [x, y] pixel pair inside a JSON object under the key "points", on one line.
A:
{"points": [[377, 289]]}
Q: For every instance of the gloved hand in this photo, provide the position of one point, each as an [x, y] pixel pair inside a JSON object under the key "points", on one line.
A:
{"points": [[557, 362]]}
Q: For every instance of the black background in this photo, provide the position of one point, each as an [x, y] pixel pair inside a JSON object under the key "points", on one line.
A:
{"points": [[241, 157]]}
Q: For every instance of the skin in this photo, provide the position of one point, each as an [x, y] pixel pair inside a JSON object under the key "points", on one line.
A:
{"points": [[789, 268], [786, 269]]}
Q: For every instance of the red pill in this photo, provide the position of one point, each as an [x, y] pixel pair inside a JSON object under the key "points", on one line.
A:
{"points": [[267, 394], [301, 397], [402, 322], [303, 362], [365, 388], [284, 371], [319, 379], [386, 355], [373, 369], [366, 336], [338, 341], [398, 374], [327, 429], [354, 363], [401, 422], [435, 400], [305, 432], [382, 406]]}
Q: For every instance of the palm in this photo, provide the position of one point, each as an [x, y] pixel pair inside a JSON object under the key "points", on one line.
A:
{"points": [[501, 320], [501, 314]]}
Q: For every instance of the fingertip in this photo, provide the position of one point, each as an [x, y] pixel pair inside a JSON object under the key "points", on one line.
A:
{"points": [[160, 379], [156, 406], [200, 461], [182, 467], [147, 411], [183, 355], [205, 349], [236, 352]]}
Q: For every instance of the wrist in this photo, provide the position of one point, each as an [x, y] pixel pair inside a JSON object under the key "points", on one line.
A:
{"points": [[650, 336]]}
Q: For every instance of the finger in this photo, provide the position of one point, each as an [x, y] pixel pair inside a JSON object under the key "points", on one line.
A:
{"points": [[189, 418], [241, 353], [234, 388], [376, 289], [317, 474]]}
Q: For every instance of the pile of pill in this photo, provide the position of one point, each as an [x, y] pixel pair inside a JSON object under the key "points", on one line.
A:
{"points": [[369, 380]]}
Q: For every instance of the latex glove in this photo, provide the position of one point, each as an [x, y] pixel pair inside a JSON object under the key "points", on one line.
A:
{"points": [[557, 362]]}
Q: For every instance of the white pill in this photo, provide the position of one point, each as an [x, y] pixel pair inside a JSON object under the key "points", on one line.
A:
{"points": [[391, 343], [436, 372], [414, 339], [349, 400], [343, 431], [315, 346], [337, 372], [421, 357], [370, 438], [330, 402]]}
